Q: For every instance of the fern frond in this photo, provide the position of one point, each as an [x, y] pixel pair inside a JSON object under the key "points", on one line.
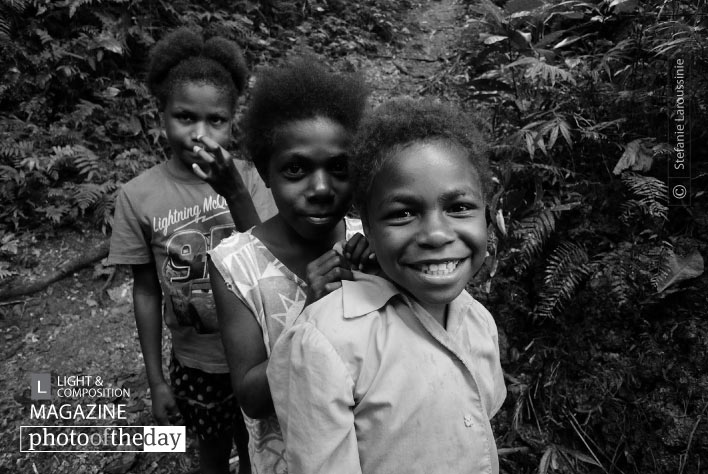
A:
{"points": [[84, 110], [85, 160], [567, 268], [103, 209], [653, 194], [4, 272], [44, 36], [619, 268], [16, 6], [92, 194], [563, 259], [76, 4], [554, 173], [55, 213], [538, 70], [87, 194], [645, 186], [4, 30], [533, 232], [663, 264], [19, 149], [620, 288], [8, 173]]}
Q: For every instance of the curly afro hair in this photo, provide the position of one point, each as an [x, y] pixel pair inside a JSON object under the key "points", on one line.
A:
{"points": [[302, 89], [402, 122], [183, 56]]}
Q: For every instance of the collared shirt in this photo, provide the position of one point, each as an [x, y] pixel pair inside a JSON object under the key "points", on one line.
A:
{"points": [[366, 381]]}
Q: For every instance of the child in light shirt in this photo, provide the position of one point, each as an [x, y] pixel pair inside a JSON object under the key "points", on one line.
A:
{"points": [[399, 372]]}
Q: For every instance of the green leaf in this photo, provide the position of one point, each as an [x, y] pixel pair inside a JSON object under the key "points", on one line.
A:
{"points": [[492, 39], [680, 269], [623, 6]]}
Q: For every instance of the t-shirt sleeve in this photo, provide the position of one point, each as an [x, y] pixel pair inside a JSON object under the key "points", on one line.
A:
{"points": [[313, 396], [260, 194], [129, 244]]}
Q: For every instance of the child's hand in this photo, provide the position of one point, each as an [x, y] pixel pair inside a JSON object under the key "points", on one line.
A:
{"points": [[164, 407], [357, 252], [221, 172], [325, 274]]}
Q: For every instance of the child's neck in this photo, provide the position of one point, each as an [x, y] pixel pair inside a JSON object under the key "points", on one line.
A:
{"points": [[179, 170], [439, 312], [291, 248]]}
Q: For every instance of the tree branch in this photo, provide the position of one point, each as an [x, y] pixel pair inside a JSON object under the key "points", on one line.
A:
{"points": [[27, 288]]}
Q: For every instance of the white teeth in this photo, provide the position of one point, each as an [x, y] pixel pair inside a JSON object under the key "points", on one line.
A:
{"points": [[439, 269]]}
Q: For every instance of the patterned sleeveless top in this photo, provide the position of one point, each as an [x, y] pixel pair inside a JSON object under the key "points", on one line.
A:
{"points": [[274, 294]]}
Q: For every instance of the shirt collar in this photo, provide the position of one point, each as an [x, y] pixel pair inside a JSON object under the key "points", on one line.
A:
{"points": [[369, 293], [365, 294]]}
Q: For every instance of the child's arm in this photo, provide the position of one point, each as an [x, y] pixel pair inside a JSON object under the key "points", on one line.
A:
{"points": [[245, 351], [147, 300], [313, 396], [225, 179]]}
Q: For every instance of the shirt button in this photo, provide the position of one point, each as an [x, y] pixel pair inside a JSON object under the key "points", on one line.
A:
{"points": [[468, 421]]}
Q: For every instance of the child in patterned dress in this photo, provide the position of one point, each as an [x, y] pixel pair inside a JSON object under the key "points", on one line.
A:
{"points": [[298, 130]]}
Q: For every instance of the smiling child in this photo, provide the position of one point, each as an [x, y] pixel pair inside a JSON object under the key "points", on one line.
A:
{"points": [[400, 372]]}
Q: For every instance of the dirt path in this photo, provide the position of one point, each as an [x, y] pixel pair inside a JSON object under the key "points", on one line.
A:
{"points": [[425, 58], [67, 329]]}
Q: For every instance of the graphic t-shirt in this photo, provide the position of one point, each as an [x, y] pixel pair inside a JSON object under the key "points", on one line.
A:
{"points": [[174, 222]]}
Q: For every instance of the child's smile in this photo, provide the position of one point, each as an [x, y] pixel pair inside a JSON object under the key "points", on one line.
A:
{"points": [[426, 223]]}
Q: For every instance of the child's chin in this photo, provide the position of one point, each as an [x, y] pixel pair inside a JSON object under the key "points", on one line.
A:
{"points": [[316, 231]]}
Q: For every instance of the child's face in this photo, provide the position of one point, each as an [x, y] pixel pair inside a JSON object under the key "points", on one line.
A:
{"points": [[308, 175], [192, 110], [425, 221]]}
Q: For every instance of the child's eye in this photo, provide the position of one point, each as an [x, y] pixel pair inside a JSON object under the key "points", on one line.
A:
{"points": [[184, 118], [461, 209], [400, 216], [294, 171], [339, 168], [218, 121]]}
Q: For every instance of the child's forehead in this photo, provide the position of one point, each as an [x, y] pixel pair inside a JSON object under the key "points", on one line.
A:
{"points": [[426, 156], [309, 129], [421, 171], [197, 87]]}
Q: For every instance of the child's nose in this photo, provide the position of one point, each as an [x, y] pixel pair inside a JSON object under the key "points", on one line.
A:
{"points": [[199, 129], [320, 185], [434, 231]]}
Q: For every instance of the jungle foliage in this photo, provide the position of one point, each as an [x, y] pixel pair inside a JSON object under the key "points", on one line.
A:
{"points": [[590, 257]]}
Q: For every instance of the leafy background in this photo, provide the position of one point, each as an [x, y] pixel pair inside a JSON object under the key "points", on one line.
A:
{"points": [[596, 282]]}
